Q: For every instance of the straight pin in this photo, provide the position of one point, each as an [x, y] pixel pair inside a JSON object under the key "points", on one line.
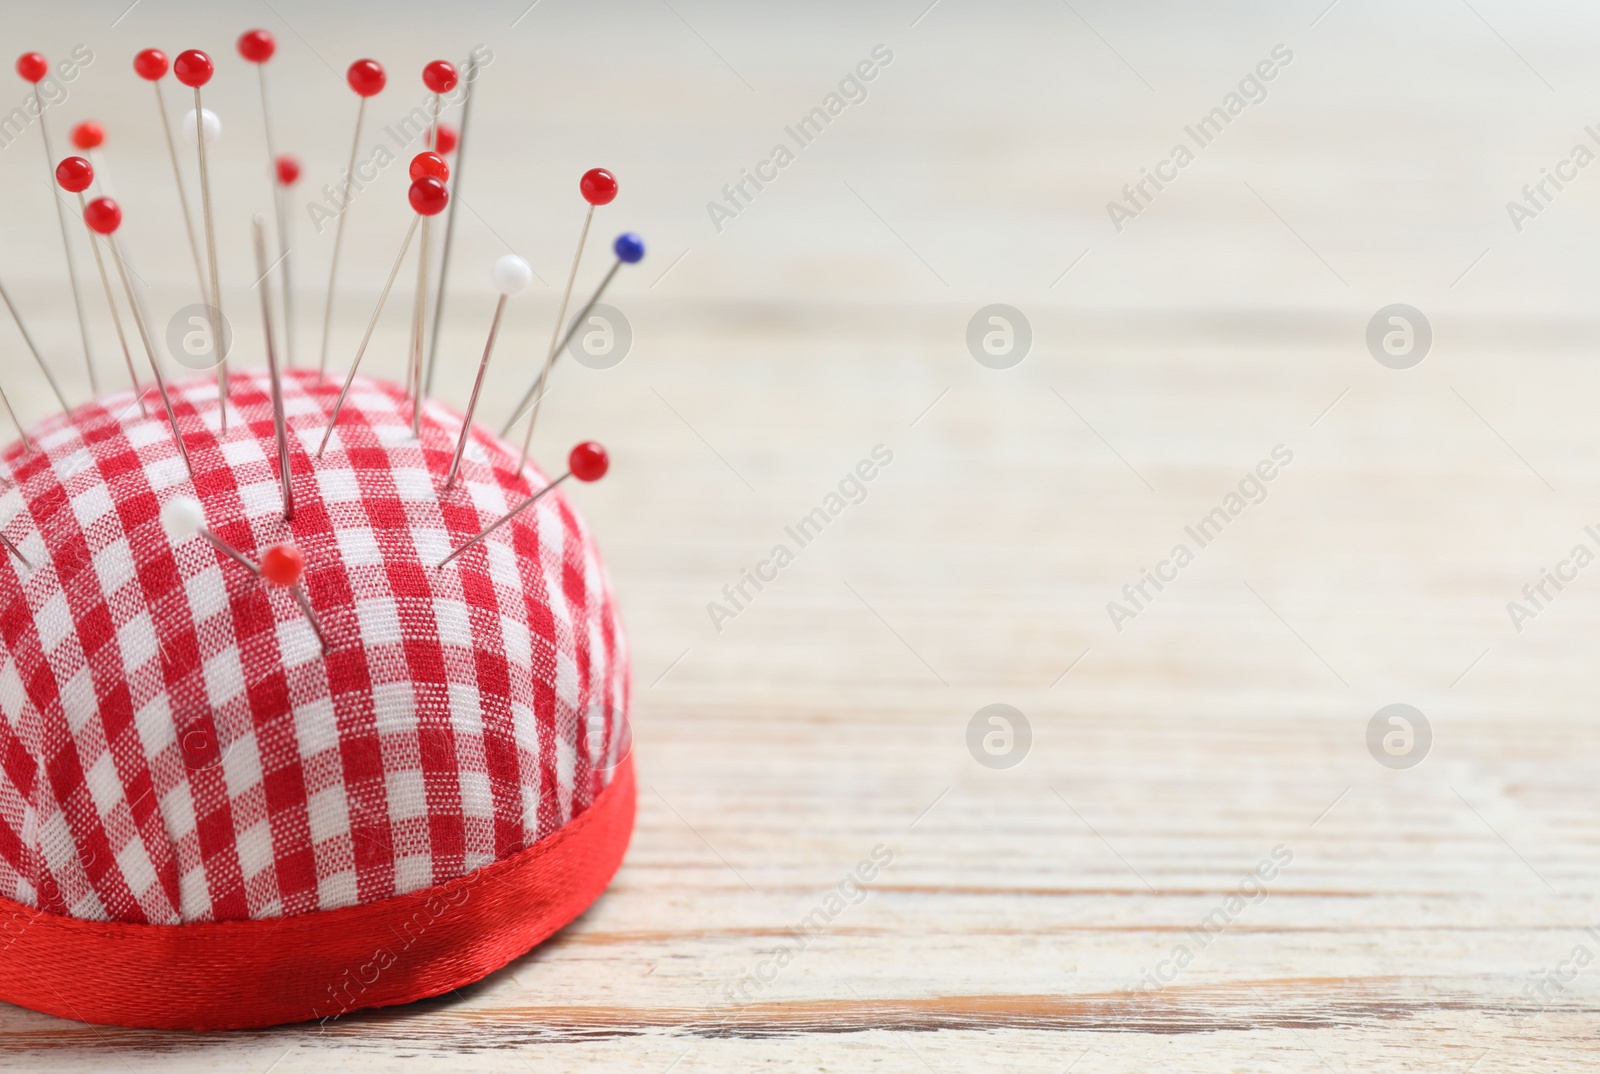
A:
{"points": [[281, 565], [427, 168], [535, 394], [90, 137], [442, 146], [439, 76], [151, 65], [34, 68], [15, 551], [629, 249], [27, 444], [598, 187], [75, 174], [511, 276], [257, 47], [298, 592], [586, 462], [177, 518], [288, 173], [419, 309], [279, 425], [284, 565], [104, 216], [338, 405], [194, 69], [184, 517], [366, 77], [33, 347], [228, 550]]}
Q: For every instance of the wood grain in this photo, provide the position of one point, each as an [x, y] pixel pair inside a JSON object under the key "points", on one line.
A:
{"points": [[1422, 908]]}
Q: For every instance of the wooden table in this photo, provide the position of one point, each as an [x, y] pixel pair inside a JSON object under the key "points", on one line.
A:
{"points": [[1030, 917]]}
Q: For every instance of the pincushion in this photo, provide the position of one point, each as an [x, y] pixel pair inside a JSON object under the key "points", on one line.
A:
{"points": [[205, 819]]}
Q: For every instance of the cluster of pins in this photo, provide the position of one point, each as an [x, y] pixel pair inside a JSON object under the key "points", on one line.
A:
{"points": [[429, 194]]}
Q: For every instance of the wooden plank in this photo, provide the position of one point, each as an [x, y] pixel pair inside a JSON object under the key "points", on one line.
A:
{"points": [[1422, 910]]}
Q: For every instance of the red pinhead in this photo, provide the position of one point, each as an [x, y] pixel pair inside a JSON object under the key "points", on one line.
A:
{"points": [[440, 76], [288, 169], [103, 215], [447, 140], [32, 66], [588, 461], [150, 65], [257, 46], [428, 196], [282, 564], [193, 68], [430, 164], [88, 135], [366, 77], [75, 174], [598, 186]]}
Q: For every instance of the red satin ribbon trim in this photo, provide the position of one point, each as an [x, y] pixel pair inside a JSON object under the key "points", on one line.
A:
{"points": [[242, 974]]}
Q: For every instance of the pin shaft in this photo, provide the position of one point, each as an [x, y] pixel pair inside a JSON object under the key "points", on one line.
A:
{"points": [[469, 77], [15, 551], [102, 171], [420, 309], [231, 552], [300, 598], [419, 312], [333, 419], [537, 392], [183, 196], [214, 307], [279, 426], [33, 347], [66, 242], [555, 332], [338, 240], [116, 317], [295, 589], [27, 444], [280, 198], [588, 307], [155, 367], [278, 219], [477, 387], [503, 519]]}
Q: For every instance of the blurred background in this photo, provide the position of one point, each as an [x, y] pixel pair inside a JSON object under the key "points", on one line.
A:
{"points": [[1144, 366]]}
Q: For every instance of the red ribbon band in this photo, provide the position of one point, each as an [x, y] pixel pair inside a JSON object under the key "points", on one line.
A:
{"points": [[245, 974]]}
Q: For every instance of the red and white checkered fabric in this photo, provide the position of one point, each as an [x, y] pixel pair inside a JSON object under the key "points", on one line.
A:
{"points": [[176, 748]]}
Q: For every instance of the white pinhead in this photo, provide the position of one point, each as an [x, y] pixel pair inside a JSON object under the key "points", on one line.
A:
{"points": [[511, 275], [213, 125], [182, 517]]}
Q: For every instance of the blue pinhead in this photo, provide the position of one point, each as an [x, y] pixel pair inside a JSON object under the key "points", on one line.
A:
{"points": [[629, 247]]}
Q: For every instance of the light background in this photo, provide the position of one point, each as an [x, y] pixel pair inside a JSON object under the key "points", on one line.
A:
{"points": [[831, 715]]}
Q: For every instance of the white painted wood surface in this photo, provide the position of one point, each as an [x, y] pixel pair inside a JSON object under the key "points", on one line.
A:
{"points": [[830, 716]]}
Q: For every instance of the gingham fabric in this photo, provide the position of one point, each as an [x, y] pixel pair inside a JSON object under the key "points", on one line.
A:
{"points": [[175, 747]]}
